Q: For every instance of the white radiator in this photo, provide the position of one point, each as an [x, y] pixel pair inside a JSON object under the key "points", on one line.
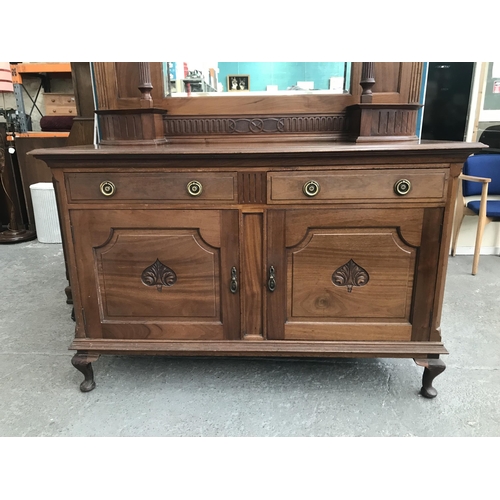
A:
{"points": [[45, 211]]}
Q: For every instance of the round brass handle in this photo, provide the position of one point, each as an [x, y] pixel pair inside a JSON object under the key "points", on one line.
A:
{"points": [[310, 188], [107, 188], [402, 187], [194, 188]]}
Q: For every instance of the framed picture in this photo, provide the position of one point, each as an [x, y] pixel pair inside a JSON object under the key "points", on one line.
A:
{"points": [[238, 83]]}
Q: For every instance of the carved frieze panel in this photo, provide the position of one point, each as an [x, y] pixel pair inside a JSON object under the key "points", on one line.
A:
{"points": [[259, 125]]}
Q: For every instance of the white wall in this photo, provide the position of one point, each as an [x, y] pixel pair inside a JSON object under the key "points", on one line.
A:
{"points": [[467, 237]]}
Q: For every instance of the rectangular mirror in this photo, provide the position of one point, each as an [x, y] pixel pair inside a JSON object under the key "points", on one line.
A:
{"points": [[186, 79]]}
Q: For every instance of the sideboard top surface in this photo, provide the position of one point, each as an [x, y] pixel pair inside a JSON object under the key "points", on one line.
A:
{"points": [[262, 148], [245, 155]]}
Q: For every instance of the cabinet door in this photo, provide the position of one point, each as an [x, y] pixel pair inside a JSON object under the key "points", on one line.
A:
{"points": [[157, 274], [346, 274]]}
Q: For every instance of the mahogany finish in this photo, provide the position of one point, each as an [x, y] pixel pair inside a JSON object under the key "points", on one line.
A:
{"points": [[359, 271], [117, 88], [380, 122], [388, 88], [83, 363], [432, 368], [224, 242]]}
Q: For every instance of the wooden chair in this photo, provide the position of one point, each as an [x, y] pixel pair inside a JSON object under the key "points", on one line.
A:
{"points": [[479, 194]]}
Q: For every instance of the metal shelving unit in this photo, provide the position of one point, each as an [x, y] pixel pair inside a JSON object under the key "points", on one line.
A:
{"points": [[45, 71]]}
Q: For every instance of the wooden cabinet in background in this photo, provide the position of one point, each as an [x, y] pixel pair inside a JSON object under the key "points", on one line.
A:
{"points": [[32, 170], [59, 104]]}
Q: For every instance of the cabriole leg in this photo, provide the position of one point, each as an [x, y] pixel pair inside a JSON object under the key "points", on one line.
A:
{"points": [[82, 362], [432, 368]]}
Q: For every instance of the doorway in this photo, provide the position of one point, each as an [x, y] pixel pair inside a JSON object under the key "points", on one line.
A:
{"points": [[446, 103]]}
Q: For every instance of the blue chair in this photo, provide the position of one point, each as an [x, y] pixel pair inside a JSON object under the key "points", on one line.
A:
{"points": [[479, 195]]}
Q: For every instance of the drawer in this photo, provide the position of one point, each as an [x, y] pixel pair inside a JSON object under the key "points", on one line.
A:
{"points": [[59, 99], [150, 186], [60, 110], [360, 186]]}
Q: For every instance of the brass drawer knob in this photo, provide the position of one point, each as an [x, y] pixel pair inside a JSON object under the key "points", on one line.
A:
{"points": [[107, 188], [311, 188], [402, 187], [194, 188]]}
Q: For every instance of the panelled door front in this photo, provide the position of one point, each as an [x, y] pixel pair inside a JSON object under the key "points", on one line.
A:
{"points": [[342, 274], [158, 274]]}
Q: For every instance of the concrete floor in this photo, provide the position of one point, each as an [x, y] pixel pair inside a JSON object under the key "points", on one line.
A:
{"points": [[161, 396]]}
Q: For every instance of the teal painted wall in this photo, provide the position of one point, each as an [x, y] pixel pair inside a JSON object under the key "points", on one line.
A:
{"points": [[283, 74]]}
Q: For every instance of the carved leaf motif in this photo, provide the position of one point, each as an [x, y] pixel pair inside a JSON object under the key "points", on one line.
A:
{"points": [[350, 275], [158, 275]]}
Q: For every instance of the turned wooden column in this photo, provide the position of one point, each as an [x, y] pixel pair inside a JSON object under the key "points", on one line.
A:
{"points": [[367, 81], [145, 85], [380, 121], [141, 125]]}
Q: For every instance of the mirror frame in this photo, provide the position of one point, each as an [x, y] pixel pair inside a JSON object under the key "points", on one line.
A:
{"points": [[115, 92]]}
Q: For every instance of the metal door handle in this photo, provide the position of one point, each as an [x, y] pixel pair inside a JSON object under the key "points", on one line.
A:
{"points": [[233, 287], [271, 283]]}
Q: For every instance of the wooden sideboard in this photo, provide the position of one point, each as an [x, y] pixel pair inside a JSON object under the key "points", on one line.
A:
{"points": [[301, 225], [314, 248]]}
